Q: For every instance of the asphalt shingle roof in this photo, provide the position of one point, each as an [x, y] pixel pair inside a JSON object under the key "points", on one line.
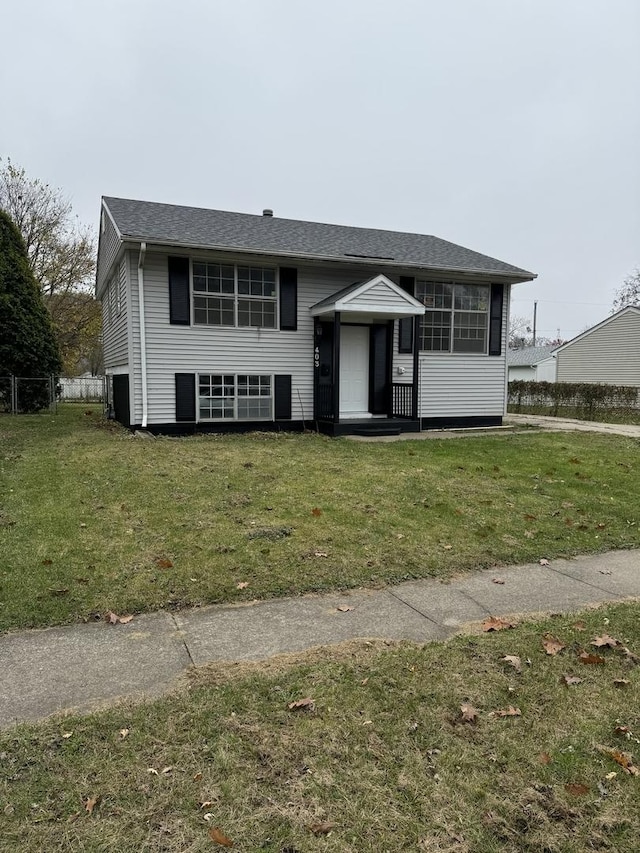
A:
{"points": [[528, 356], [197, 227]]}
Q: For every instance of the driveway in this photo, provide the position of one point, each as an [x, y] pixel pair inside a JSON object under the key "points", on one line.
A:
{"points": [[561, 424]]}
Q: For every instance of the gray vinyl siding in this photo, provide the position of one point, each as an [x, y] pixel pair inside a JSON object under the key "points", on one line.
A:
{"points": [[135, 371], [456, 385], [450, 385], [114, 325], [108, 247], [214, 349], [609, 354]]}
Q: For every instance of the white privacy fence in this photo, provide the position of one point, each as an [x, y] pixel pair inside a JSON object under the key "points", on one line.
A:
{"points": [[88, 389]]}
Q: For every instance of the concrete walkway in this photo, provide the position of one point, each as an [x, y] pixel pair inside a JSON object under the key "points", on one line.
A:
{"points": [[561, 424], [84, 667]]}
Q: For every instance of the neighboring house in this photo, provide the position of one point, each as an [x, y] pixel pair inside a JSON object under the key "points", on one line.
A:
{"points": [[608, 352], [217, 321], [534, 364]]}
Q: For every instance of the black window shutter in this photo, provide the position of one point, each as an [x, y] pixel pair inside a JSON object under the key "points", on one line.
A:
{"points": [[179, 308], [405, 326], [282, 395], [185, 397], [289, 298], [495, 319]]}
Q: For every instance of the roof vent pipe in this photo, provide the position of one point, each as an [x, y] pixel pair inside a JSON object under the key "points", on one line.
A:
{"points": [[267, 212]]}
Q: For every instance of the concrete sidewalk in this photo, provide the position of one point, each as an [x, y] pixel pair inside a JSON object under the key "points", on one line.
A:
{"points": [[84, 667]]}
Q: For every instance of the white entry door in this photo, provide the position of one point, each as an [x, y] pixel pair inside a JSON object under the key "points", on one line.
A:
{"points": [[354, 371]]}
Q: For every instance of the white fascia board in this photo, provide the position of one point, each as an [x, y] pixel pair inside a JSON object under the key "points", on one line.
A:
{"points": [[376, 308]]}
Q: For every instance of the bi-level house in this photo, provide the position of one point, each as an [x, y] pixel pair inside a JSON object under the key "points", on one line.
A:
{"points": [[218, 321]]}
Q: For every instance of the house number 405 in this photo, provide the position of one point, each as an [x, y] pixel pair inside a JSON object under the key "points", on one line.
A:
{"points": [[316, 357]]}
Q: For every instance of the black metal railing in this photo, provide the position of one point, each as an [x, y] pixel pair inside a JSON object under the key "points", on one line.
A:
{"points": [[402, 399], [324, 401]]}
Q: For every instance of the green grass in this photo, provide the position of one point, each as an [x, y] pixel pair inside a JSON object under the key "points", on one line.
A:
{"points": [[383, 755], [92, 519]]}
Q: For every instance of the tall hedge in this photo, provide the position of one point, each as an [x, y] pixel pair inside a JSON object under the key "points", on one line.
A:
{"points": [[581, 399], [27, 343]]}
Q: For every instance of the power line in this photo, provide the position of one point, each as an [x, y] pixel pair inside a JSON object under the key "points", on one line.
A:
{"points": [[568, 302]]}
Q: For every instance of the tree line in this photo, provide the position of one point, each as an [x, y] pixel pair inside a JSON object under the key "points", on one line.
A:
{"points": [[48, 261]]}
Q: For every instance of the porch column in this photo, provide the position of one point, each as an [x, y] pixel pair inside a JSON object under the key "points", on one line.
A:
{"points": [[416, 367], [336, 367]]}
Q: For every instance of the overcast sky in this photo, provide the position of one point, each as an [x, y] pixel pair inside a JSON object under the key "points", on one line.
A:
{"points": [[511, 127]]}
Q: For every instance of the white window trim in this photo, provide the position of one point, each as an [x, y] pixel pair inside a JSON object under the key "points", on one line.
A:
{"points": [[236, 296], [235, 419], [452, 311]]}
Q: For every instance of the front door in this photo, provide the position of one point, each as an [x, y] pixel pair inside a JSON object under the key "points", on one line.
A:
{"points": [[354, 371]]}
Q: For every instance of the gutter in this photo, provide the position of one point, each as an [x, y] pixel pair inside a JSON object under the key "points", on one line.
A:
{"points": [[143, 343]]}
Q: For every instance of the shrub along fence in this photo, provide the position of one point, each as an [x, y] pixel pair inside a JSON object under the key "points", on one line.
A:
{"points": [[27, 394], [585, 400]]}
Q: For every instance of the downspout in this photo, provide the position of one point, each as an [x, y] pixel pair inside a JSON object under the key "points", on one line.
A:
{"points": [[143, 344]]}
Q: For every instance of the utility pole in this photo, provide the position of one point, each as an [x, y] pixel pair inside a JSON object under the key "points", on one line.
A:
{"points": [[535, 313]]}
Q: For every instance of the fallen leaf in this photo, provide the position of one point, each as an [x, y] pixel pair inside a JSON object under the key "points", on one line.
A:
{"points": [[166, 770], [552, 645], [58, 591], [544, 562], [242, 585], [586, 657], [320, 554], [514, 661], [579, 626], [605, 572], [217, 835], [67, 735], [364, 681], [123, 733], [507, 712], [468, 713], [113, 618], [571, 679], [47, 562], [163, 563], [152, 770], [496, 623], [610, 776], [624, 759], [621, 682], [447, 547], [316, 511], [544, 758], [629, 655], [622, 730], [344, 608], [307, 704], [323, 828], [497, 580], [605, 640], [576, 789], [529, 517], [91, 802], [197, 777]]}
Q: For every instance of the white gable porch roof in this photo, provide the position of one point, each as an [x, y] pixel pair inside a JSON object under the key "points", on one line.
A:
{"points": [[378, 296]]}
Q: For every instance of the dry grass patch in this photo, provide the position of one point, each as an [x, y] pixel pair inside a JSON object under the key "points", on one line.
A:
{"points": [[380, 759]]}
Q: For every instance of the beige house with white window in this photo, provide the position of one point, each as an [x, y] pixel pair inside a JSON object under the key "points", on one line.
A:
{"points": [[220, 321]]}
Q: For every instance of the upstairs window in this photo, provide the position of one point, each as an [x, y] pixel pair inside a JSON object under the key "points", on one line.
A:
{"points": [[230, 295], [456, 319]]}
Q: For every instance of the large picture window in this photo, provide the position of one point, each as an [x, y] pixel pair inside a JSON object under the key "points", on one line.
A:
{"points": [[235, 397], [229, 295], [456, 319]]}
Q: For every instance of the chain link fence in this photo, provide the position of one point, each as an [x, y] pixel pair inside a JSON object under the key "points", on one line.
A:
{"points": [[22, 395], [82, 389]]}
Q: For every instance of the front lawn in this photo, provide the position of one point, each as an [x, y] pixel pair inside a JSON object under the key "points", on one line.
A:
{"points": [[484, 744], [92, 519]]}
